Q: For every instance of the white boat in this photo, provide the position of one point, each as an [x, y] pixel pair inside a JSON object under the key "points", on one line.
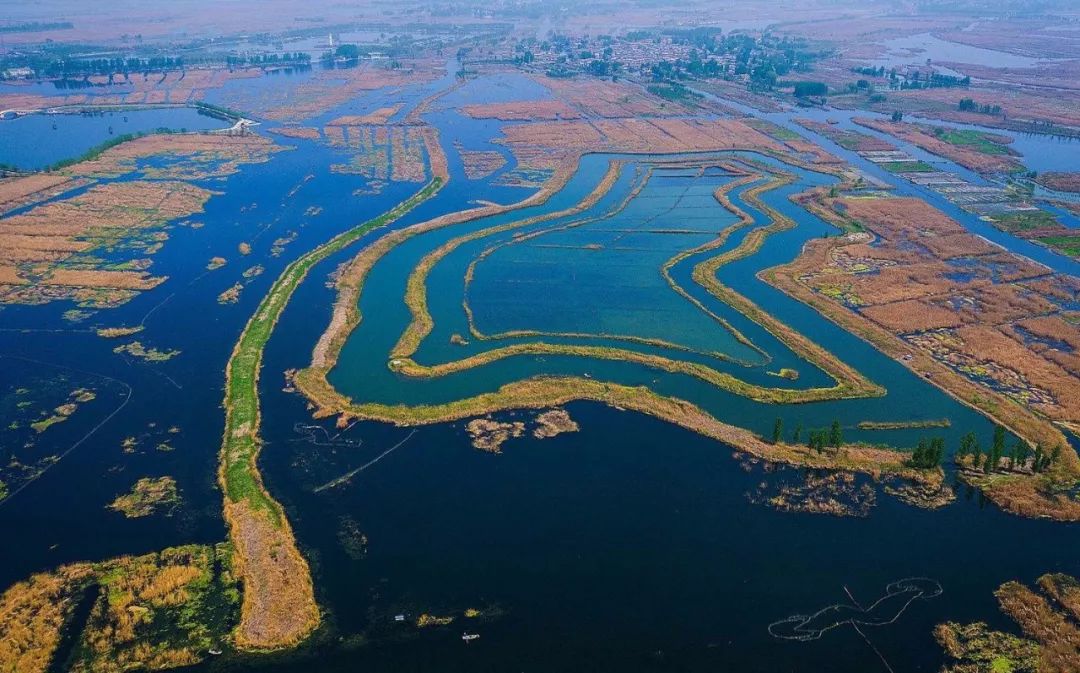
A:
{"points": [[469, 637]]}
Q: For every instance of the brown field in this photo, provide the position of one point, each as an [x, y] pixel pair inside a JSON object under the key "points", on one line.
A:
{"points": [[380, 152], [599, 98], [977, 313], [966, 334], [548, 145], [919, 136], [324, 90], [203, 155], [852, 140], [175, 88], [305, 132], [538, 110], [1021, 105], [1062, 182], [21, 191], [51, 252], [380, 116], [480, 163], [1058, 637], [278, 609], [47, 253]]}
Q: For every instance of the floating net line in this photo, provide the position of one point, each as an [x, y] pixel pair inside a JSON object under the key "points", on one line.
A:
{"points": [[899, 595]]}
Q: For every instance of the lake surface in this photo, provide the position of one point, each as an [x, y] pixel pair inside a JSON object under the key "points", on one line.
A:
{"points": [[919, 49]]}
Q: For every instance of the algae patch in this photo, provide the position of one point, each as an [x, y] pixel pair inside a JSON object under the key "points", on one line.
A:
{"points": [[148, 496]]}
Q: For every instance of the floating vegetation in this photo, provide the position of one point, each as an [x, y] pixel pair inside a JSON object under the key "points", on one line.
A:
{"points": [[905, 425], [231, 295], [55, 250], [786, 373], [353, 540], [149, 612], [138, 350], [1048, 619], [279, 244], [148, 496], [489, 435], [426, 620], [76, 315], [977, 648], [115, 332], [244, 248], [836, 493], [253, 272], [215, 263], [554, 422], [62, 412]]}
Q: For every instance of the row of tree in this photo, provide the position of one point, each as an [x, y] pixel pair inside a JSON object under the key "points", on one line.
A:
{"points": [[930, 453], [969, 105], [816, 439], [1020, 454]]}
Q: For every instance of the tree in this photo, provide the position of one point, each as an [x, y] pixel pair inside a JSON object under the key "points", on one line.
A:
{"points": [[928, 454], [349, 52], [803, 89], [777, 430], [897, 116], [836, 435], [796, 436], [968, 444]]}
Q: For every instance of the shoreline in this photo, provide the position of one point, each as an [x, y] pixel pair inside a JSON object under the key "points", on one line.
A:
{"points": [[279, 608]]}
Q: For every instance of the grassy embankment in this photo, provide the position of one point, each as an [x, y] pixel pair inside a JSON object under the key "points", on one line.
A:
{"points": [[542, 392], [279, 606], [1042, 494], [849, 383]]}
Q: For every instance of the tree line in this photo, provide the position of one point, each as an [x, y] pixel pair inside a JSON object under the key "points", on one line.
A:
{"points": [[929, 453]]}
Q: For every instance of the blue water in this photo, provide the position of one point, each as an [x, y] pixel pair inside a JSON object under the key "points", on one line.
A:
{"points": [[36, 141]]}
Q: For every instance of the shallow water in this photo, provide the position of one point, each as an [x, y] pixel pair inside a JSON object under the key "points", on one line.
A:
{"points": [[36, 141], [923, 48]]}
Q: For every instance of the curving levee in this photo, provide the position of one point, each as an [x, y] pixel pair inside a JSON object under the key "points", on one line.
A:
{"points": [[427, 372]]}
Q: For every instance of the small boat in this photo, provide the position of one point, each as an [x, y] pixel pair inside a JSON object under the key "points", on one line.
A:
{"points": [[213, 651], [469, 637]]}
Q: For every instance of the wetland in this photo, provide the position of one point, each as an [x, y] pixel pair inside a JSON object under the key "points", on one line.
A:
{"points": [[443, 361]]}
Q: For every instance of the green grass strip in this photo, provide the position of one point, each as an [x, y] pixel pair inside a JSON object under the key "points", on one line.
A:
{"points": [[240, 444]]}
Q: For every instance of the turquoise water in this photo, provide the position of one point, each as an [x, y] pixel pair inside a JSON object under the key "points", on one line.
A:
{"points": [[503, 298]]}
